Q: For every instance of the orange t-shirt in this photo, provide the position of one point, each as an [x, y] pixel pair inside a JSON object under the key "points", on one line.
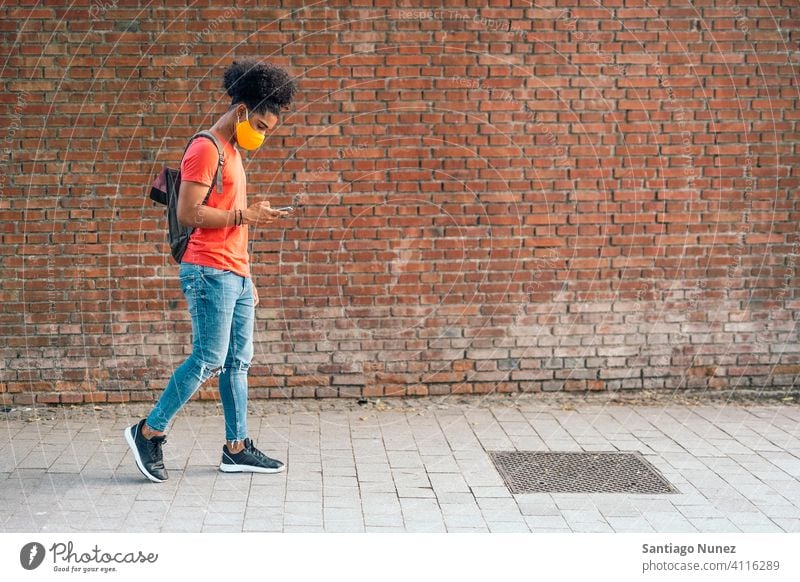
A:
{"points": [[226, 247]]}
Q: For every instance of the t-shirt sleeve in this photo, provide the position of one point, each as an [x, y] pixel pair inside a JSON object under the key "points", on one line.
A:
{"points": [[200, 162]]}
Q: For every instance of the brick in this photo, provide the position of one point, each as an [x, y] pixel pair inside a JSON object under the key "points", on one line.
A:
{"points": [[411, 252]]}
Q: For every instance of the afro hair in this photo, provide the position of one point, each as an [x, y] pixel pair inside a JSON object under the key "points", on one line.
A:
{"points": [[260, 86]]}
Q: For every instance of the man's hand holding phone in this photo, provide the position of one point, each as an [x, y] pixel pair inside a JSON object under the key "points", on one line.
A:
{"points": [[261, 214]]}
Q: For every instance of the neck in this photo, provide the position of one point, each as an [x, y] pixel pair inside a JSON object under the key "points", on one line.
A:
{"points": [[226, 126]]}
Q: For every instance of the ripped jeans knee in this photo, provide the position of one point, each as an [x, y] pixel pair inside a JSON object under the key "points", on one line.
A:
{"points": [[183, 384], [209, 370], [235, 366]]}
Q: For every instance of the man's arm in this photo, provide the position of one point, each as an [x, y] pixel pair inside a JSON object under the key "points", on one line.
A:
{"points": [[193, 213]]}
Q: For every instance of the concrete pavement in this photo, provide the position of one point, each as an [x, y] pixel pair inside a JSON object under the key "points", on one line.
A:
{"points": [[413, 465]]}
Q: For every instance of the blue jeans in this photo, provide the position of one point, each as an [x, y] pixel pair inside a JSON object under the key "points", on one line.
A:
{"points": [[222, 306]]}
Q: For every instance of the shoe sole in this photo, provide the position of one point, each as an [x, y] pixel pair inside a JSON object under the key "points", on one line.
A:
{"points": [[138, 458], [225, 468]]}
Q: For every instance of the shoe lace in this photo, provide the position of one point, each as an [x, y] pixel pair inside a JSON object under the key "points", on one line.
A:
{"points": [[255, 452], [155, 447]]}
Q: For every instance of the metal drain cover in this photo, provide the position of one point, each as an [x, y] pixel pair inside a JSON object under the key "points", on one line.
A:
{"points": [[578, 472]]}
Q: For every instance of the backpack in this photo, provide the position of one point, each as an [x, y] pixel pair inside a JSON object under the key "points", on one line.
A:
{"points": [[165, 191]]}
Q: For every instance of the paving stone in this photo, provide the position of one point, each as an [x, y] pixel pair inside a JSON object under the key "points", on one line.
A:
{"points": [[623, 524], [425, 526], [498, 504], [498, 515], [223, 518], [699, 511], [415, 492], [303, 496], [490, 492], [303, 507], [464, 520], [190, 500], [387, 487], [440, 463], [761, 528], [591, 527], [409, 480], [227, 506], [294, 519], [546, 521], [508, 527], [449, 483], [645, 505], [579, 515], [382, 520], [669, 522], [415, 503], [713, 524], [460, 509], [405, 460], [338, 470], [221, 528], [344, 527], [262, 526], [753, 517], [350, 500], [736, 469], [575, 502], [533, 508], [620, 508], [457, 498]]}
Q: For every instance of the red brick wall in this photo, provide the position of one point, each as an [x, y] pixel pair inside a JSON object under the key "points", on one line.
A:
{"points": [[498, 197]]}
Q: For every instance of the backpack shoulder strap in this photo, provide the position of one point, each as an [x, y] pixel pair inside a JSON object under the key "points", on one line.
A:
{"points": [[220, 152]]}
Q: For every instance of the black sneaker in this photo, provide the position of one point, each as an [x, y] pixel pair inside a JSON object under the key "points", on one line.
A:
{"points": [[147, 453], [248, 460]]}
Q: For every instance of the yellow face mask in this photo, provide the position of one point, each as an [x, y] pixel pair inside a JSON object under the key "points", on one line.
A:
{"points": [[246, 136]]}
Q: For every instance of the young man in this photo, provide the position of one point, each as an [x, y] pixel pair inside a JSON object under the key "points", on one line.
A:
{"points": [[215, 272]]}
